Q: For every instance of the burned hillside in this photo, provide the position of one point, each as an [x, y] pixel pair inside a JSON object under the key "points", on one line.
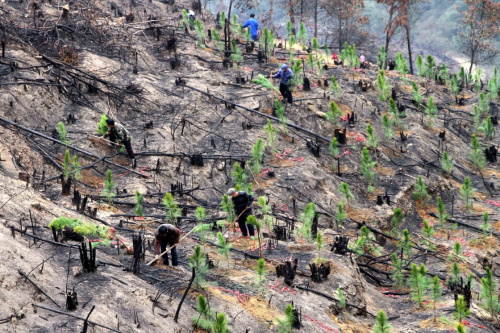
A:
{"points": [[374, 190]]}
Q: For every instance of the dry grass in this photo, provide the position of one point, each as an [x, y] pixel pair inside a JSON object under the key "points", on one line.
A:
{"points": [[429, 323], [489, 243]]}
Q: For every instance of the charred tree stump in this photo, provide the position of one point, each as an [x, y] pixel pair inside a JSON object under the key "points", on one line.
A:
{"points": [[280, 232], [71, 300], [340, 245], [77, 199], [137, 243], [314, 227], [314, 148], [287, 270], [341, 135], [87, 257], [66, 185], [319, 273], [307, 84], [491, 154]]}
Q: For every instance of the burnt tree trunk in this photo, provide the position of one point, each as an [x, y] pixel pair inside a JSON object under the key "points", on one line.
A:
{"points": [[407, 28]]}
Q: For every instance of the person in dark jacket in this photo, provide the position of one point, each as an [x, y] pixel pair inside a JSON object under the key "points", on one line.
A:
{"points": [[254, 27], [243, 209], [167, 235], [119, 134], [285, 74]]}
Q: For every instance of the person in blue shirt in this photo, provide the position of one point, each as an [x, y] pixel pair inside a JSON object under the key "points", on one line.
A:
{"points": [[285, 74], [254, 27]]}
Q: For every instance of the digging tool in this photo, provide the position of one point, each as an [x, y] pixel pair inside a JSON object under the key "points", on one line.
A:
{"points": [[170, 248], [102, 139]]}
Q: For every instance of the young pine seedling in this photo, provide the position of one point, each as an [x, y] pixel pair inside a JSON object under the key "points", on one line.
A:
{"points": [[102, 127], [442, 215], [387, 126], [436, 293], [417, 95], [418, 283], [109, 186], [334, 149], [488, 294], [367, 167], [489, 129], [477, 154], [285, 325], [467, 192], [76, 168], [198, 262], [341, 298], [428, 232], [335, 87], [319, 245], [420, 193], [272, 136], [373, 140], [224, 247], [257, 156], [203, 320], [66, 165], [239, 176], [340, 216], [382, 323], [261, 271], [139, 201], [171, 208], [405, 244], [62, 134], [397, 220], [200, 216], [258, 225], [397, 270], [383, 87], [228, 208], [454, 274], [307, 217], [346, 191], [220, 324], [446, 163], [462, 310], [486, 227], [431, 111], [333, 114]]}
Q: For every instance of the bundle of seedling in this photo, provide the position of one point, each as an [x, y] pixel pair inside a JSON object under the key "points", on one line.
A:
{"points": [[102, 234]]}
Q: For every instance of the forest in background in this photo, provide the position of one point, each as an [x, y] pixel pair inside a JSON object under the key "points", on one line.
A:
{"points": [[434, 26]]}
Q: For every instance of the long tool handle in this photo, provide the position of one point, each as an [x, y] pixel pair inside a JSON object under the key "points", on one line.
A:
{"points": [[170, 248]]}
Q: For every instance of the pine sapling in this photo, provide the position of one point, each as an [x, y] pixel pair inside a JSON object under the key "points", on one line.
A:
{"points": [[405, 244], [455, 274], [77, 168], [102, 127], [261, 271], [319, 245], [109, 186], [335, 87], [418, 283], [484, 104], [488, 293], [359, 246], [266, 211], [387, 126], [467, 192], [265, 82], [430, 64], [172, 209], [139, 201], [200, 216], [280, 113], [340, 216], [333, 114], [66, 165], [220, 324], [394, 112], [228, 208], [370, 241], [454, 87], [461, 329], [382, 323], [420, 66], [198, 262], [477, 79], [420, 193], [397, 270], [272, 136], [428, 232], [477, 154], [367, 167], [462, 310], [383, 87], [457, 249], [397, 219], [488, 128], [334, 149], [302, 35], [258, 225], [382, 59], [486, 227], [442, 215], [239, 175], [203, 320], [373, 140], [224, 247], [446, 163], [306, 217], [417, 95], [257, 156], [285, 324], [431, 111], [200, 30], [346, 191], [62, 134], [436, 293], [341, 299]]}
